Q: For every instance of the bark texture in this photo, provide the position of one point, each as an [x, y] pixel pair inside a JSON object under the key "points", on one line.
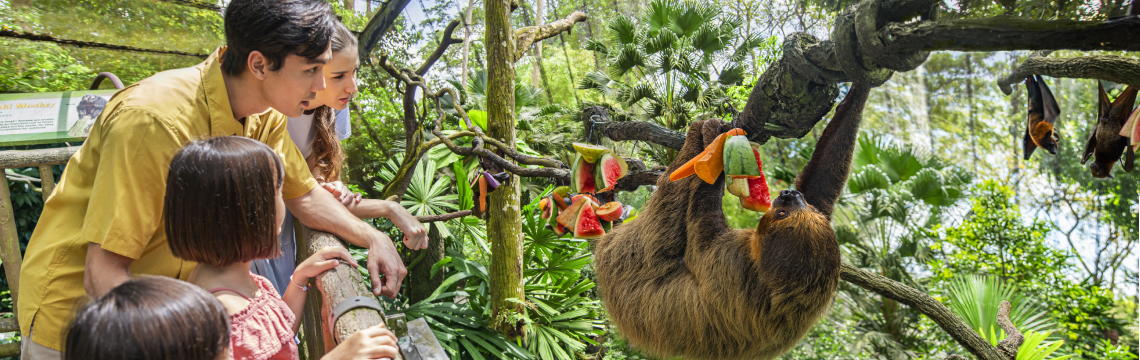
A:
{"points": [[596, 123], [1117, 69], [529, 35], [504, 226], [1009, 33]]}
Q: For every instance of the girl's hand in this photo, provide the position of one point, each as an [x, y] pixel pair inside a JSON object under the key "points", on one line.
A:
{"points": [[415, 235], [342, 193], [322, 261], [372, 343]]}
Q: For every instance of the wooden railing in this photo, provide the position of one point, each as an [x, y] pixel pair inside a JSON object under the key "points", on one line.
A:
{"points": [[335, 285], [9, 241]]}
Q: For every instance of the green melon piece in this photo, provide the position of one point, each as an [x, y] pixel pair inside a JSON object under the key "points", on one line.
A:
{"points": [[590, 152], [738, 187], [738, 158]]}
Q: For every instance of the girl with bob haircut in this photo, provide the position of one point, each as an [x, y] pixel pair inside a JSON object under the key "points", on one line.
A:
{"points": [[151, 317], [223, 210]]}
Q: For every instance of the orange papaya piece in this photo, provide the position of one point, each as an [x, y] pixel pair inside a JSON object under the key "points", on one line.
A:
{"points": [[687, 169], [711, 164], [482, 194]]}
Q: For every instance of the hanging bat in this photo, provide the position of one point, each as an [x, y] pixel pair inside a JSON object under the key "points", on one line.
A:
{"points": [[1105, 141], [1043, 113]]}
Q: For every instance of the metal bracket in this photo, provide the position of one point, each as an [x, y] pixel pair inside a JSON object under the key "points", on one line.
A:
{"points": [[353, 303]]}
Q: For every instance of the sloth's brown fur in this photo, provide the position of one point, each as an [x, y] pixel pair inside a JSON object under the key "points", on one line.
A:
{"points": [[677, 281]]}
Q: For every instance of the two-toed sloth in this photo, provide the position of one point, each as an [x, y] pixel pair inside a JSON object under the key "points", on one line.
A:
{"points": [[677, 281]]}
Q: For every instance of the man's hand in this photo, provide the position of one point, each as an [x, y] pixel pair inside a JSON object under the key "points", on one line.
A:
{"points": [[415, 235], [383, 259], [104, 270], [372, 343]]}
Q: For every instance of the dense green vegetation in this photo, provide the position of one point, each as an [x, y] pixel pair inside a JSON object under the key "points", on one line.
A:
{"points": [[938, 193]]}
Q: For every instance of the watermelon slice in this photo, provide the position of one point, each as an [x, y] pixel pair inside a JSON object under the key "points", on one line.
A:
{"points": [[569, 216], [609, 169], [759, 199], [738, 158], [588, 226], [582, 176], [610, 211]]}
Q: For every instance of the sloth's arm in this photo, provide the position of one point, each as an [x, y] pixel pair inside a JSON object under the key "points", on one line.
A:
{"points": [[825, 175]]}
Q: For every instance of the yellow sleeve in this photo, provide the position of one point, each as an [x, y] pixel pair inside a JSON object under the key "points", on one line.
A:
{"points": [[298, 179], [125, 210]]}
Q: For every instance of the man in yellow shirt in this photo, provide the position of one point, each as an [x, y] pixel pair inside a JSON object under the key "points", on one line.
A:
{"points": [[103, 223]]}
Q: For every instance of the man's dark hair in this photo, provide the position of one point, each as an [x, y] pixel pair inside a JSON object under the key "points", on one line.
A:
{"points": [[220, 206], [151, 317], [276, 28]]}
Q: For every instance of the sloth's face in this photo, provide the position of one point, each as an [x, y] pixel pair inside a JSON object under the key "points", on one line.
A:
{"points": [[791, 215], [789, 204]]}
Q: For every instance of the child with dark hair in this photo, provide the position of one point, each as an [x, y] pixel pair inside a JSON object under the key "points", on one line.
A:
{"points": [[159, 318], [149, 318], [223, 210]]}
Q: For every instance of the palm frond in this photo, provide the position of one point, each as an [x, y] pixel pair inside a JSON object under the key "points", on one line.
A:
{"points": [[732, 74], [628, 56], [623, 30]]}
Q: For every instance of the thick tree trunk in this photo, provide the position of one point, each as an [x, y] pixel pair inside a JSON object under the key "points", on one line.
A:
{"points": [[504, 225]]}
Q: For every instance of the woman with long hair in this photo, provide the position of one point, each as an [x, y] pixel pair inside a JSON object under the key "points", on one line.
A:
{"points": [[317, 133]]}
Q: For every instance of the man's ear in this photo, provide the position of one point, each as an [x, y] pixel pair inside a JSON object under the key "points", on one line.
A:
{"points": [[258, 64]]}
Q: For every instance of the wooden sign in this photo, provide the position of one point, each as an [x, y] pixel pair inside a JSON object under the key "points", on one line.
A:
{"points": [[53, 117]]}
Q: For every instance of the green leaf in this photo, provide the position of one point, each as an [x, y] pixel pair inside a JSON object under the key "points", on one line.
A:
{"points": [[623, 30], [478, 118]]}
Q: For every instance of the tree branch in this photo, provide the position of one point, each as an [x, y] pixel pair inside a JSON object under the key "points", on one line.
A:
{"points": [[597, 119], [443, 217], [378, 25], [968, 338], [1009, 33], [1117, 69], [525, 37]]}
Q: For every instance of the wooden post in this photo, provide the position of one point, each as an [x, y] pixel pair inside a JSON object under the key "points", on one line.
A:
{"points": [[9, 241], [336, 285], [47, 181]]}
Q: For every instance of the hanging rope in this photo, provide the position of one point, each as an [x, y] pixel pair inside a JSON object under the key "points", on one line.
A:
{"points": [[196, 4], [49, 38]]}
